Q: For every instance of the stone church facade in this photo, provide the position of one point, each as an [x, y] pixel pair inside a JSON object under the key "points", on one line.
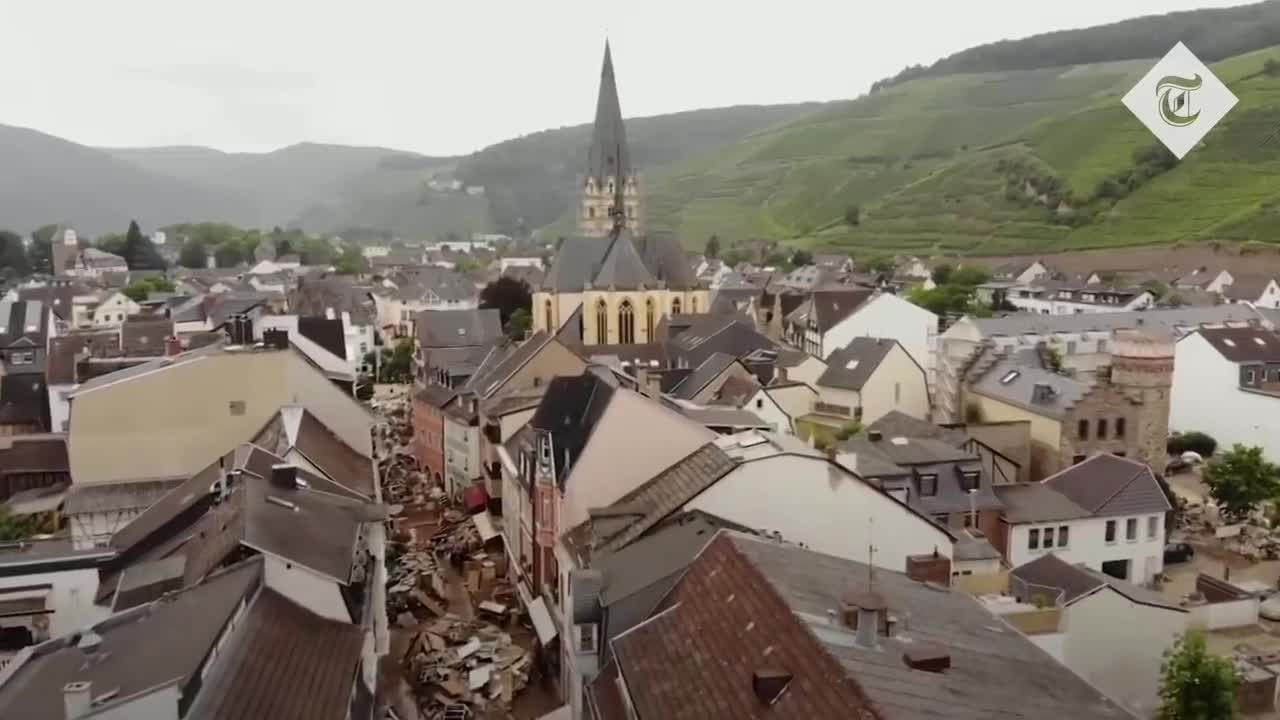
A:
{"points": [[612, 284]]}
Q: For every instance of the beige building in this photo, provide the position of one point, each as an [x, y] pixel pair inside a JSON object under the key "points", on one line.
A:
{"points": [[871, 377], [169, 418]]}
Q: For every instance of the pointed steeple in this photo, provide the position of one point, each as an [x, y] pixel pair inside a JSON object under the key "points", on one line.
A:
{"points": [[608, 155]]}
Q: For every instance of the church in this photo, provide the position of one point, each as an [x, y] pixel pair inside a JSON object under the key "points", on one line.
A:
{"points": [[611, 284]]}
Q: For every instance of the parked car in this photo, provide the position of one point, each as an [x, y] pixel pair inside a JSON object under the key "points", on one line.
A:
{"points": [[1270, 608], [1178, 552]]}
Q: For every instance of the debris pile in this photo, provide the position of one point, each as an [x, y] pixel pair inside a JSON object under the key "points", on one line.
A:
{"points": [[453, 661]]}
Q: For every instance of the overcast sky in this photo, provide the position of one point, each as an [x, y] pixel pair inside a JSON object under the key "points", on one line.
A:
{"points": [[446, 77]]}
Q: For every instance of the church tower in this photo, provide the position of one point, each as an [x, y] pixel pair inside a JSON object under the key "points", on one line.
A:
{"points": [[610, 179]]}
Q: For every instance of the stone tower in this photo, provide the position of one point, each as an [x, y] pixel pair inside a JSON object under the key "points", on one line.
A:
{"points": [[610, 180], [1142, 369]]}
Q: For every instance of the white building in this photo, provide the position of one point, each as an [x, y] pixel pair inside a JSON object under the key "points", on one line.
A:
{"points": [[1110, 632], [1257, 290], [114, 309], [1106, 512], [1226, 382], [832, 319], [1059, 299], [780, 404], [48, 587], [871, 377], [507, 263]]}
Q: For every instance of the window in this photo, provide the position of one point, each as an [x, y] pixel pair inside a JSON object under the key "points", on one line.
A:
{"points": [[236, 407], [1062, 535], [23, 358], [650, 319], [591, 212], [675, 306], [1119, 427], [1102, 428], [1033, 539], [602, 323], [969, 480], [1152, 523], [1111, 531], [1071, 347], [1250, 376], [1048, 538], [1131, 529], [586, 639], [760, 404], [550, 324], [626, 323], [1082, 429], [929, 485]]}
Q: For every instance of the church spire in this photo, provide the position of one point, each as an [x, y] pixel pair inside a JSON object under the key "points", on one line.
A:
{"points": [[608, 156]]}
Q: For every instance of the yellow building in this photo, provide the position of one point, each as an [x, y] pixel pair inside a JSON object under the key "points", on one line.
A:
{"points": [[614, 285]]}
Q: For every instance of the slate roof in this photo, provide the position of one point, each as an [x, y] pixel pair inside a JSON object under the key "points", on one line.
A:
{"points": [[1078, 581], [709, 370], [581, 261], [145, 337], [295, 428], [569, 411], [315, 295], [1174, 322], [1037, 502], [491, 376], [995, 671], [1244, 345], [896, 423], [1247, 286], [694, 658], [829, 307], [852, 366], [177, 633], [457, 328], [1013, 381], [285, 663], [608, 154], [60, 296], [436, 396], [23, 323], [730, 333], [896, 462], [1107, 484], [326, 333]]}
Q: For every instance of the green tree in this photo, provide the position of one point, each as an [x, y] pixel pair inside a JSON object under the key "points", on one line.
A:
{"points": [[137, 290], [507, 294], [193, 255], [518, 326], [40, 254], [17, 527], [1240, 479], [942, 273], [801, 257], [969, 276], [713, 247], [852, 215], [13, 256], [397, 365], [317, 251], [140, 253], [112, 243], [351, 262], [879, 264], [228, 254], [848, 430], [1194, 684]]}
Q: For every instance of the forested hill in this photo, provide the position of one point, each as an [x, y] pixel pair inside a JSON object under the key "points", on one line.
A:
{"points": [[1212, 34]]}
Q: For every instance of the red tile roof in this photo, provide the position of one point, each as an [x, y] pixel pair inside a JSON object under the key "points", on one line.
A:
{"points": [[695, 658]]}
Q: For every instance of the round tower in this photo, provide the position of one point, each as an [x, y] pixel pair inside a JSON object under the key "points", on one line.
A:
{"points": [[1142, 369]]}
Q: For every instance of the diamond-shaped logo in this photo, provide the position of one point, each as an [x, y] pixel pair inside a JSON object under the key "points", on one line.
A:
{"points": [[1179, 100]]}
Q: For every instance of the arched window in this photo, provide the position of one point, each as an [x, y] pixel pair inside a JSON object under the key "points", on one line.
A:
{"points": [[626, 323], [675, 306], [650, 319], [602, 323], [551, 327]]}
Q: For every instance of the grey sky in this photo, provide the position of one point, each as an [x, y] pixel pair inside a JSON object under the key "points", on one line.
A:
{"points": [[448, 77]]}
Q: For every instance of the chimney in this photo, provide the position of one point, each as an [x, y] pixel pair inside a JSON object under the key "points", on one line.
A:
{"points": [[934, 568], [284, 475], [77, 699], [769, 683], [276, 338], [927, 657], [172, 346], [865, 613], [1042, 393], [874, 435]]}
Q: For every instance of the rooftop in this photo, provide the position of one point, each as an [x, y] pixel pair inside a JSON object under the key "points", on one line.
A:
{"points": [[850, 367], [1106, 484], [1244, 344], [1174, 322], [457, 328], [1077, 581]]}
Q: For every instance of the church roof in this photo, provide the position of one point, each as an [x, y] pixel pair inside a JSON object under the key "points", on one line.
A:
{"points": [[622, 261], [608, 154]]}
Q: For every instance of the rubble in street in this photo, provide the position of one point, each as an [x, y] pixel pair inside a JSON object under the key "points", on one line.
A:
{"points": [[446, 591]]}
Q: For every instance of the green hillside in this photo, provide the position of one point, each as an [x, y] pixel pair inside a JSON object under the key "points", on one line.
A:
{"points": [[944, 163]]}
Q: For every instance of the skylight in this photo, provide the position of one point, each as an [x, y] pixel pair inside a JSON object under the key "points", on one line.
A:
{"points": [[1229, 342], [1010, 377], [1260, 341], [851, 365]]}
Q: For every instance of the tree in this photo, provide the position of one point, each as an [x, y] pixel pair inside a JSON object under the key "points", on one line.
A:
{"points": [[396, 366], [111, 243], [40, 254], [941, 273], [848, 430], [1240, 479], [17, 527], [140, 253], [1194, 684], [712, 250], [852, 215], [1197, 442], [228, 254], [351, 262], [801, 257], [193, 255], [13, 256], [507, 294], [141, 289], [518, 326], [880, 264], [1271, 67], [317, 251], [969, 276]]}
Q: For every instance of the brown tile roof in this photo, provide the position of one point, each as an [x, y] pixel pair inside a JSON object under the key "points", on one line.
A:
{"points": [[1244, 344], [1106, 484], [694, 659], [286, 663]]}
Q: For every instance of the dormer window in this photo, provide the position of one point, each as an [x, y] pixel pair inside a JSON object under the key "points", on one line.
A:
{"points": [[968, 480], [928, 484]]}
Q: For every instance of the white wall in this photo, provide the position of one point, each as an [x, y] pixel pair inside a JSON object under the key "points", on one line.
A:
{"points": [[312, 591], [851, 399], [807, 371], [826, 508], [461, 455], [767, 409], [113, 310], [1052, 643], [1206, 396], [1230, 614], [888, 316], [897, 384], [1086, 543], [1118, 644], [71, 597]]}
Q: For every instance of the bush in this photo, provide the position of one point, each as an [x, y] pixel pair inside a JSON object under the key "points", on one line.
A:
{"points": [[1196, 442]]}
